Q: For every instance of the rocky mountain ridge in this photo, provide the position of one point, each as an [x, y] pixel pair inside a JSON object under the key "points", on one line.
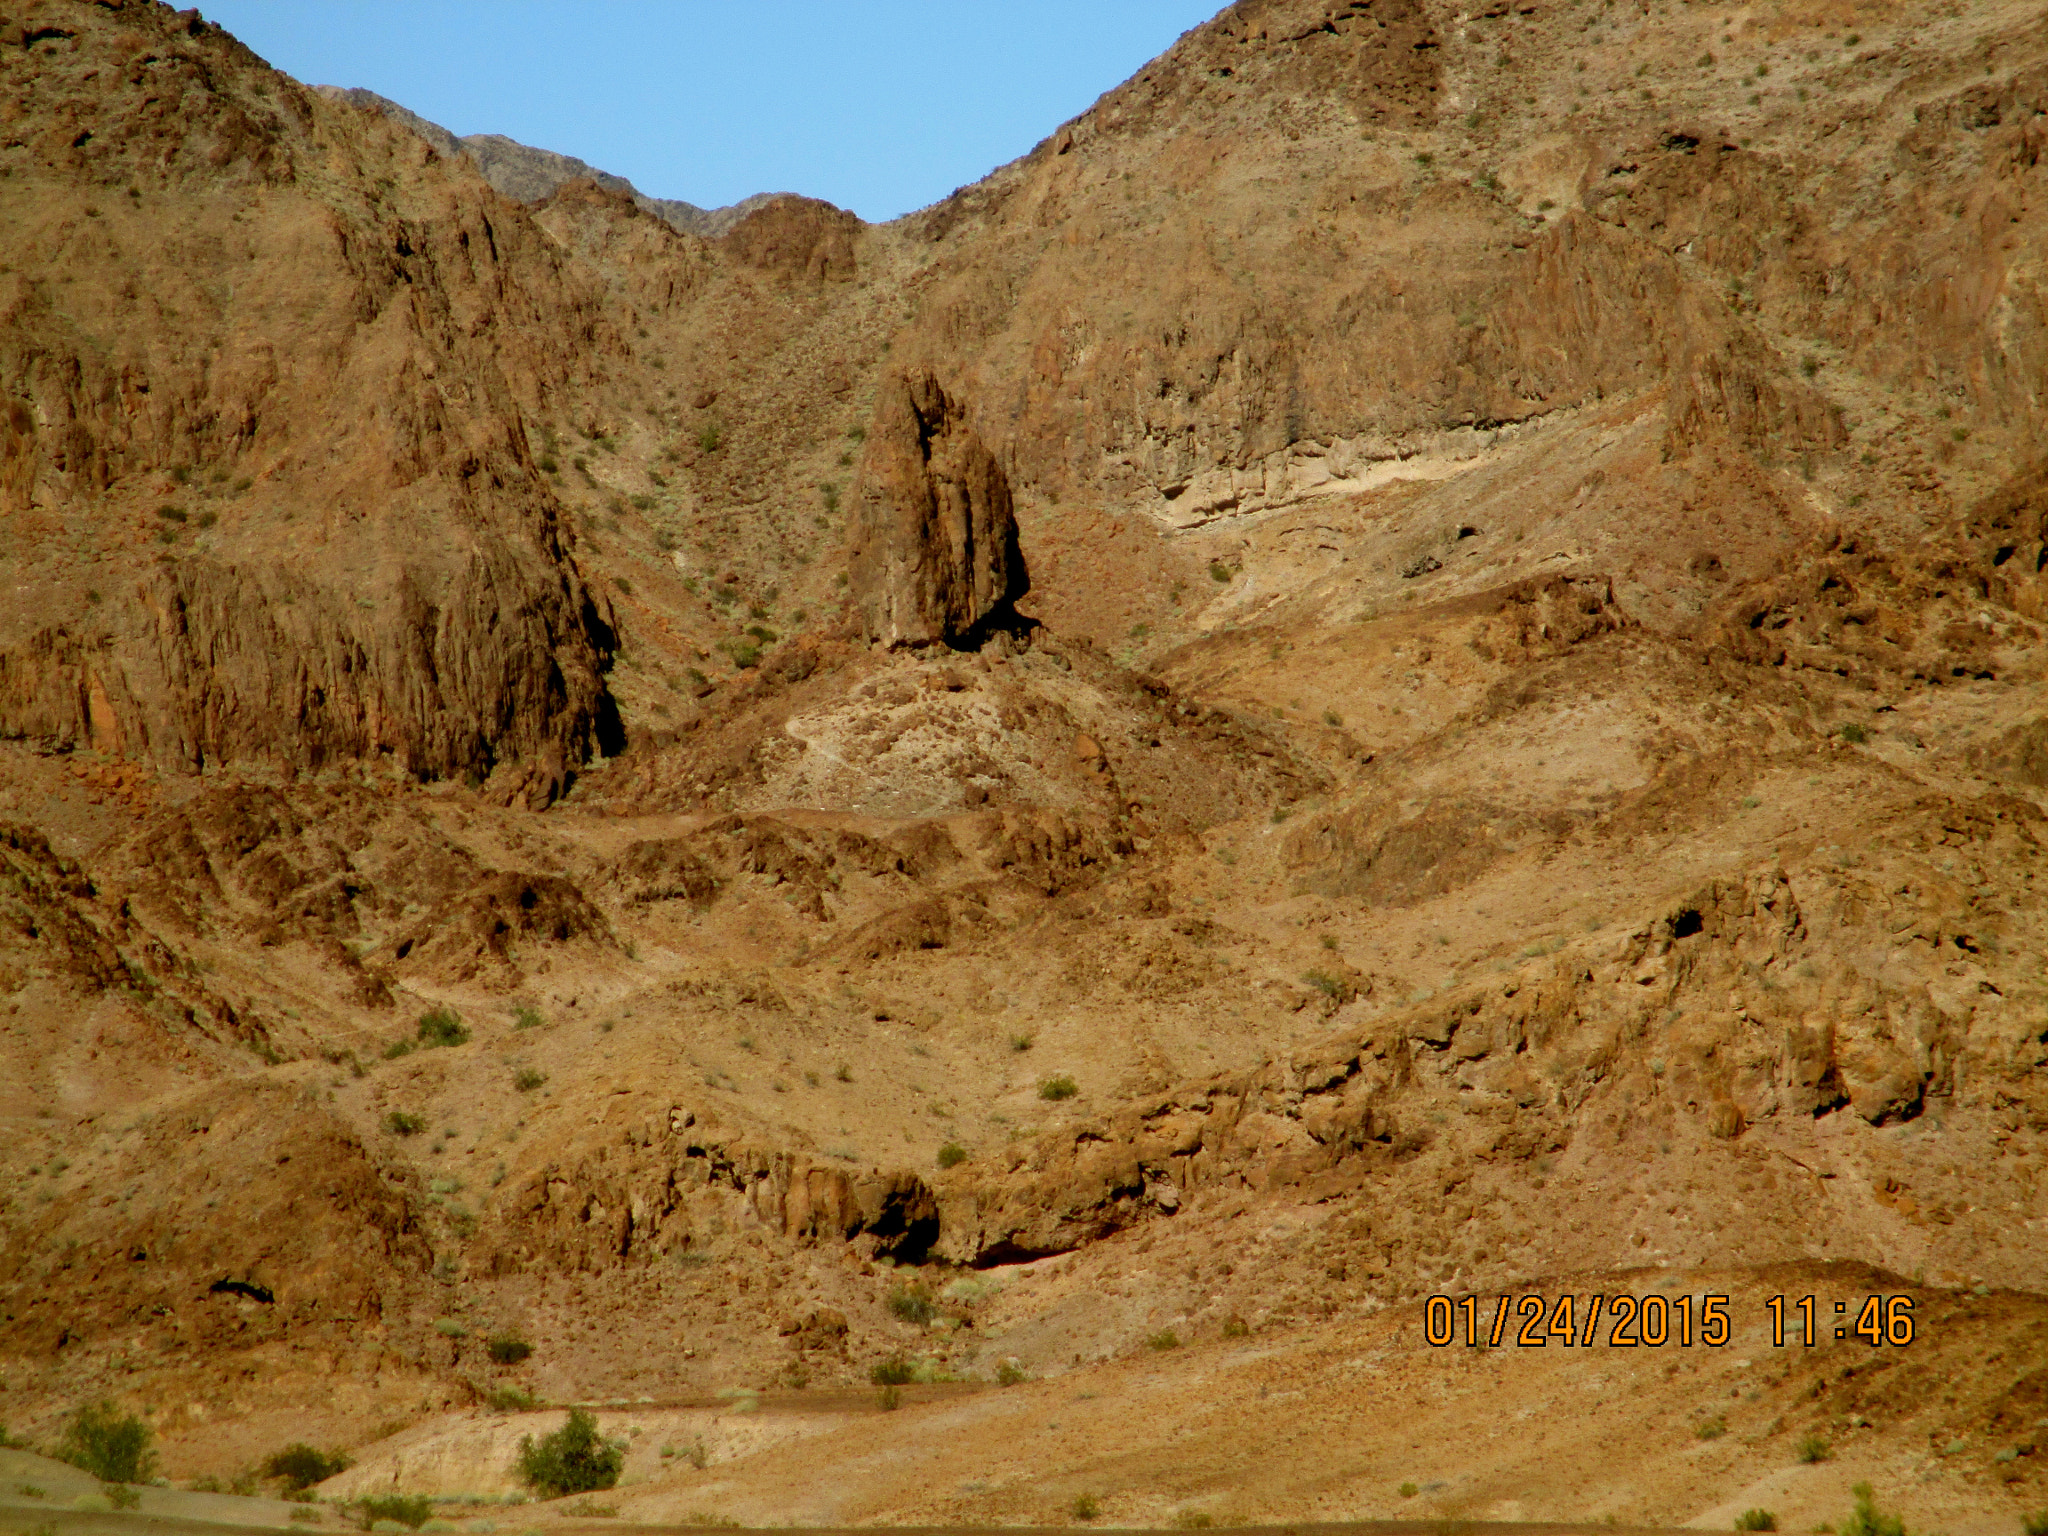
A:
{"points": [[529, 175]]}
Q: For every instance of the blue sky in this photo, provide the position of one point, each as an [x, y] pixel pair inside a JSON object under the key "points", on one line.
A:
{"points": [[880, 106]]}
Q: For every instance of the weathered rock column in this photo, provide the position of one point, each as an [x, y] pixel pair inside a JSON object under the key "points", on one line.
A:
{"points": [[934, 554]]}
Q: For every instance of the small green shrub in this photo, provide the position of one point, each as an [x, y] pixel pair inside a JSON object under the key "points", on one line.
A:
{"points": [[1812, 1448], [414, 1511], [399, 1123], [1219, 572], [709, 437], [398, 1048], [298, 1465], [1020, 1043], [2035, 1524], [1868, 1519], [1010, 1373], [1756, 1520], [1854, 732], [511, 1400], [442, 1026], [890, 1398], [1236, 1328], [1711, 1429], [912, 1304], [590, 1509], [507, 1348], [112, 1446], [574, 1459], [1409, 1490], [1084, 1507], [120, 1495], [1163, 1340], [526, 1079], [1193, 1520], [1056, 1088], [893, 1372], [952, 1155]]}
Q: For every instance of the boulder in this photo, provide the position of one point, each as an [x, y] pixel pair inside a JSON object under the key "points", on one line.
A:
{"points": [[934, 552]]}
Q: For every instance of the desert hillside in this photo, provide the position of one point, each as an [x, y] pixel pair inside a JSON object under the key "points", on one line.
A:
{"points": [[1406, 663]]}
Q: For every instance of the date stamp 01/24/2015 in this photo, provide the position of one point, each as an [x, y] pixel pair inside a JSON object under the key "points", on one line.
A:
{"points": [[1653, 1321]]}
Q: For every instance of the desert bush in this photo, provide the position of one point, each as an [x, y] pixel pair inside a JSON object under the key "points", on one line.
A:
{"points": [[399, 1123], [893, 1372], [511, 1400], [526, 1017], [1813, 1448], [952, 1155], [507, 1348], [912, 1304], [2035, 1524], [1868, 1519], [709, 437], [120, 1495], [574, 1459], [1193, 1520], [1056, 1088], [590, 1509], [1163, 1340], [526, 1079], [398, 1048], [1218, 571], [1409, 1490], [890, 1398], [414, 1511], [1084, 1507], [1235, 1327], [1711, 1429], [1756, 1520], [442, 1026], [112, 1446], [298, 1465], [1010, 1373], [1330, 986]]}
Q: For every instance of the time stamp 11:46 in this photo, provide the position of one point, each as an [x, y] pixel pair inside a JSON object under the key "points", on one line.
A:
{"points": [[1653, 1321]]}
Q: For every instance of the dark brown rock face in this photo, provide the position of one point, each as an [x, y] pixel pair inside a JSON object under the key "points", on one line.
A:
{"points": [[797, 237], [934, 553]]}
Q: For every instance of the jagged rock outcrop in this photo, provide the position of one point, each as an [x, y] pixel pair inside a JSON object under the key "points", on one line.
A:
{"points": [[934, 554]]}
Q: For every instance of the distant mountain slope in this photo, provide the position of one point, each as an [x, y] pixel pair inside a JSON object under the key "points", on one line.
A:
{"points": [[528, 174]]}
